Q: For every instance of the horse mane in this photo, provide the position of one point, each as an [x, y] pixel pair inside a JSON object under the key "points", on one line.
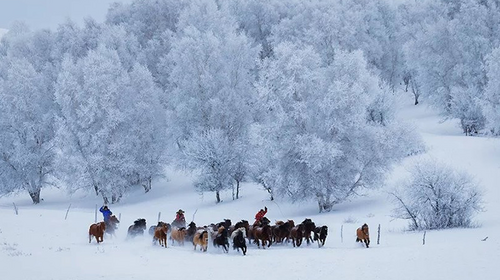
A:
{"points": [[140, 222], [221, 230]]}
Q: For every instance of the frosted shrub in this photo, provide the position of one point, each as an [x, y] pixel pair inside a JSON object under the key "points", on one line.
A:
{"points": [[437, 196]]}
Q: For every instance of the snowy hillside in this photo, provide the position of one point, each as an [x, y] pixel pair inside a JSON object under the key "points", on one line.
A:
{"points": [[39, 243]]}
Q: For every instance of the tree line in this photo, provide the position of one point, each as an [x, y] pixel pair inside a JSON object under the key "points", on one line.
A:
{"points": [[298, 97]]}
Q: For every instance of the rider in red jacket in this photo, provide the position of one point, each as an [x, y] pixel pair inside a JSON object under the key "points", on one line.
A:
{"points": [[260, 214]]}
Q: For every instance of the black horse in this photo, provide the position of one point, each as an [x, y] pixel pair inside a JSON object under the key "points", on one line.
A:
{"points": [[239, 239], [320, 234], [137, 228], [221, 239]]}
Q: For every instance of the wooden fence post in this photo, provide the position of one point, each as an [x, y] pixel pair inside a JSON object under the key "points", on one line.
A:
{"points": [[378, 235], [342, 233], [67, 211], [15, 208], [423, 239], [159, 215], [95, 216]]}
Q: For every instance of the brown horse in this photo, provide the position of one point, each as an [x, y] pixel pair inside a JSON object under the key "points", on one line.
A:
{"points": [[112, 225], [297, 233], [263, 234], [362, 235], [97, 230], [179, 235], [201, 238], [160, 233]]}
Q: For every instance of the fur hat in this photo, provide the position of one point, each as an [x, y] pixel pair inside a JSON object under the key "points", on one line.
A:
{"points": [[180, 211]]}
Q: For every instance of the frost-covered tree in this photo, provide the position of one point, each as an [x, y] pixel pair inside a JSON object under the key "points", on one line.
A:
{"points": [[210, 77], [446, 56], [27, 125], [436, 196], [153, 23], [492, 92], [107, 131], [325, 127], [330, 26]]}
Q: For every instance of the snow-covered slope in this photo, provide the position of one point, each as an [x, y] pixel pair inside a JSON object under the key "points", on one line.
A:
{"points": [[39, 243]]}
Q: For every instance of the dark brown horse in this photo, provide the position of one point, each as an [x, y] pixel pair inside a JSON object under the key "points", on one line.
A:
{"points": [[362, 235], [221, 239], [137, 228], [263, 234], [190, 232], [320, 234], [282, 231], [309, 228], [160, 233], [297, 233], [240, 224], [112, 225], [97, 230]]}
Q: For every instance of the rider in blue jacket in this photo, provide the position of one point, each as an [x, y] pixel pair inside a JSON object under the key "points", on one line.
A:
{"points": [[106, 213]]}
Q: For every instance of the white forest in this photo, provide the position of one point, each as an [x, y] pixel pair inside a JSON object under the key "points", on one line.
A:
{"points": [[343, 112]]}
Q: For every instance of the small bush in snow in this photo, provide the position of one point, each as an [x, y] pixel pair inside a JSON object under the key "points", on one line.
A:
{"points": [[350, 220], [437, 196]]}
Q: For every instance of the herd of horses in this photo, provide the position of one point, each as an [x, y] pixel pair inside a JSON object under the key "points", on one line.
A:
{"points": [[261, 233]]}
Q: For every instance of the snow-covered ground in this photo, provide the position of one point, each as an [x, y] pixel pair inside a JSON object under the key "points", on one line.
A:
{"points": [[40, 244]]}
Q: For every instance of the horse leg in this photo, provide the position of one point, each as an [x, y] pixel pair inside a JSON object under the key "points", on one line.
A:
{"points": [[90, 238]]}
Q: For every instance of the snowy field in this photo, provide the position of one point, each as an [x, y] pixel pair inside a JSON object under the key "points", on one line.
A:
{"points": [[39, 244]]}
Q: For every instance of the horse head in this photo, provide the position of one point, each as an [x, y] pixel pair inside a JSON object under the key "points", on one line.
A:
{"points": [[364, 228]]}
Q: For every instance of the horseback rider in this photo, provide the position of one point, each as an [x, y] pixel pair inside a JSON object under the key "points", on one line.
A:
{"points": [[180, 220], [106, 213], [260, 214]]}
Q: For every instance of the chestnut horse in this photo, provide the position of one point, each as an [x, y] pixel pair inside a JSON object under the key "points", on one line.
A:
{"points": [[363, 235], [263, 234], [97, 230], [160, 233], [179, 235], [201, 238]]}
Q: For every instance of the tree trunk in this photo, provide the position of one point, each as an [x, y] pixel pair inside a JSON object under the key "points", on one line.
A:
{"points": [[35, 196], [217, 196], [269, 190], [147, 185], [237, 189]]}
